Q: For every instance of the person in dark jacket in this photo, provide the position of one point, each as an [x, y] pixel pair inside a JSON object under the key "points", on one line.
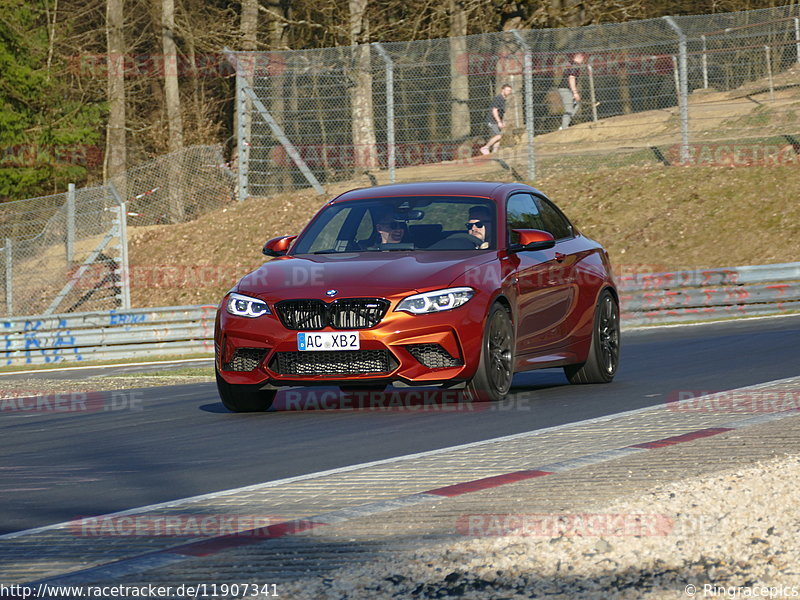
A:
{"points": [[494, 120]]}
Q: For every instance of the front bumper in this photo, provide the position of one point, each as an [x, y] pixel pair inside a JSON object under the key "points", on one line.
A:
{"points": [[413, 349]]}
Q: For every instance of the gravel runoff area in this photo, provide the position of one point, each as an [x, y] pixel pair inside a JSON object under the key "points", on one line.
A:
{"points": [[12, 388], [738, 529]]}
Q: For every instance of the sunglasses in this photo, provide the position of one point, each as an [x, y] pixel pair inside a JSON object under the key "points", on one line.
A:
{"points": [[478, 224], [392, 225]]}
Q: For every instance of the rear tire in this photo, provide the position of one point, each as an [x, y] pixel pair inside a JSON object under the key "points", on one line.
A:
{"points": [[603, 360], [492, 380], [244, 398]]}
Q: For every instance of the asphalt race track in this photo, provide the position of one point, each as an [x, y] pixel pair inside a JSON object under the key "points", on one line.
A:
{"points": [[166, 443]]}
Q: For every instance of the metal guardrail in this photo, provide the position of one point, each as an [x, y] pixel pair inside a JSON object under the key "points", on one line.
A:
{"points": [[653, 298], [107, 335], [681, 296]]}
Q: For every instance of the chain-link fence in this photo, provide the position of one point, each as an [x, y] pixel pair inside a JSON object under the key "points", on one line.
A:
{"points": [[178, 187], [46, 241], [669, 90], [68, 252]]}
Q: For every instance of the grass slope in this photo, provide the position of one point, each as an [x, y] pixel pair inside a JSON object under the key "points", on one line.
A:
{"points": [[650, 219]]}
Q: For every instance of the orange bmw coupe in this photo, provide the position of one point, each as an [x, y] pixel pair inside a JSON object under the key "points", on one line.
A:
{"points": [[454, 284]]}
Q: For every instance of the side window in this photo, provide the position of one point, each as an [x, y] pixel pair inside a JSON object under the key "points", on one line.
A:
{"points": [[522, 213], [554, 222]]}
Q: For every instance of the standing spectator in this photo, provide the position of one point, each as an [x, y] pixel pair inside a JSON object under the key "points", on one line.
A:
{"points": [[568, 89], [497, 111]]}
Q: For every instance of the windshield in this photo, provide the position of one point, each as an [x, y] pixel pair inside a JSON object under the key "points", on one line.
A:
{"points": [[401, 224]]}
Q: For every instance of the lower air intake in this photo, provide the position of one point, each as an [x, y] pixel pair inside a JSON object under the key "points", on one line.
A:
{"points": [[245, 359], [434, 356]]}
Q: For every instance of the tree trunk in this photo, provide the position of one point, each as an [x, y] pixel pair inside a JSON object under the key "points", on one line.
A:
{"points": [[459, 66], [115, 136], [248, 27], [363, 122], [171, 89], [510, 67], [173, 106], [278, 41]]}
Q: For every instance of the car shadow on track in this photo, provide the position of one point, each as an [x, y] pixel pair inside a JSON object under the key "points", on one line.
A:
{"points": [[526, 389]]}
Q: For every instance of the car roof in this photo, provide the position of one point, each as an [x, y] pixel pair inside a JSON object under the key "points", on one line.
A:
{"points": [[486, 189]]}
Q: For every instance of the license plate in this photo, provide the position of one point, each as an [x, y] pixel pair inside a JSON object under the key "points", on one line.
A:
{"points": [[328, 340]]}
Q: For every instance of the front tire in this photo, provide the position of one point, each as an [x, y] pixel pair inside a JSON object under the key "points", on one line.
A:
{"points": [[244, 398], [603, 360], [492, 381]]}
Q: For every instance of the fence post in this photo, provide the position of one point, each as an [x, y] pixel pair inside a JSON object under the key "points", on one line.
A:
{"points": [[705, 63], [592, 97], [677, 77], [390, 143], [768, 52], [683, 96], [125, 275], [528, 85], [797, 37], [70, 224], [9, 278], [242, 143], [277, 131]]}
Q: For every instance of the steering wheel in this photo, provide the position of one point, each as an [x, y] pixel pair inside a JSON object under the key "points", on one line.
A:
{"points": [[457, 241]]}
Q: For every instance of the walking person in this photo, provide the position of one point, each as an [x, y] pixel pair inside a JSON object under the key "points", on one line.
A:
{"points": [[568, 88], [497, 110]]}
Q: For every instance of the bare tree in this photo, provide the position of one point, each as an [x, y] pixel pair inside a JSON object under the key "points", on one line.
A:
{"points": [[248, 30], [172, 100], [171, 65], [115, 136], [361, 107]]}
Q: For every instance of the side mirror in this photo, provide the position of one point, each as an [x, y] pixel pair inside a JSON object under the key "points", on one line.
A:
{"points": [[533, 239], [278, 246]]}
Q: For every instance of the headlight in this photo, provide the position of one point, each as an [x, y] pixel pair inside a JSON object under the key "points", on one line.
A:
{"points": [[245, 306], [437, 301]]}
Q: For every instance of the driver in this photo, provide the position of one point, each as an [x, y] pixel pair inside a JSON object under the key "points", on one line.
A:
{"points": [[479, 225], [390, 230]]}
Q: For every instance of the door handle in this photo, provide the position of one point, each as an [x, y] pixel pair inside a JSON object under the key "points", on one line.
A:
{"points": [[560, 257]]}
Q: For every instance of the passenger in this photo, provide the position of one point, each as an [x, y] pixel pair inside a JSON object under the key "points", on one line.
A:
{"points": [[479, 225]]}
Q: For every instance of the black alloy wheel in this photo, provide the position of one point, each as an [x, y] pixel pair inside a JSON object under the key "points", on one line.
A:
{"points": [[492, 381], [603, 360]]}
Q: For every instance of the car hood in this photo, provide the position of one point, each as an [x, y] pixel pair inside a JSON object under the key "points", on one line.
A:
{"points": [[358, 274]]}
